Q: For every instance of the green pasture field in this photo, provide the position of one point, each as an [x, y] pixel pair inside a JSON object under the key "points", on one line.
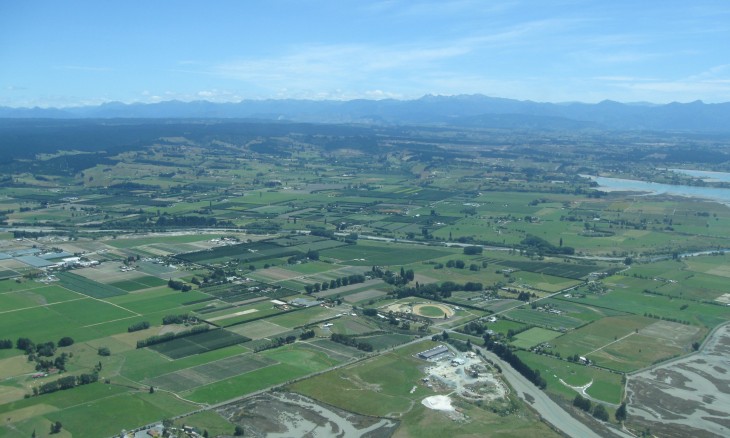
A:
{"points": [[534, 336], [88, 287], [229, 317], [545, 282], [115, 408], [501, 304], [598, 334], [504, 325], [606, 386], [294, 361], [14, 286], [382, 254], [337, 349], [632, 299], [157, 300], [381, 342], [352, 388], [36, 297], [635, 352], [544, 319], [76, 319], [581, 311], [311, 267]]}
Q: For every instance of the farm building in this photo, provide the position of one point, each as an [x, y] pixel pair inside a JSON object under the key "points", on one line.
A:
{"points": [[303, 302], [430, 354]]}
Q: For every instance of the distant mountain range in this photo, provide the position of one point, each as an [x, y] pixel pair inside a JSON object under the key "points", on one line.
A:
{"points": [[463, 110]]}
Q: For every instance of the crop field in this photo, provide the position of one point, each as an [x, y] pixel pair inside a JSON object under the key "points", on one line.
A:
{"points": [[189, 378], [232, 293], [140, 283], [198, 343], [8, 273], [88, 287], [565, 270], [293, 361], [534, 336], [364, 296]]}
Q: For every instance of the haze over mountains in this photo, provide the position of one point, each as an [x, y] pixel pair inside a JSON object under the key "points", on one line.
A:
{"points": [[460, 110]]}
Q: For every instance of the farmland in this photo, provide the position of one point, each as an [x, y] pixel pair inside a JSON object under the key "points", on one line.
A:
{"points": [[236, 268]]}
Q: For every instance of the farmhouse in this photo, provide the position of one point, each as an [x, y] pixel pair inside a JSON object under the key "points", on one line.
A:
{"points": [[432, 353]]}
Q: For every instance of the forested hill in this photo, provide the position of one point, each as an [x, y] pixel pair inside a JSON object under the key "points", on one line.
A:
{"points": [[462, 110]]}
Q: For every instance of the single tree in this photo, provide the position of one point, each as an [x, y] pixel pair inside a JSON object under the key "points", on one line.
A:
{"points": [[621, 413]]}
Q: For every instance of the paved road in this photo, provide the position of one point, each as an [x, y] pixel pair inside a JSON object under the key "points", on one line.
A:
{"points": [[548, 409]]}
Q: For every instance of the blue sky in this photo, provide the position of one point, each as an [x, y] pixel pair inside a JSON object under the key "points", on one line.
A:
{"points": [[68, 53]]}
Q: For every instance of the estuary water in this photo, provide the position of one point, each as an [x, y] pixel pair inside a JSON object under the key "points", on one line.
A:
{"points": [[651, 188]]}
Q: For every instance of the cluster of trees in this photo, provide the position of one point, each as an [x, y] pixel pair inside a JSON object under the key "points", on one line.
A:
{"points": [[335, 283], [177, 319], [351, 342], [6, 344], [138, 326], [310, 255], [178, 285], [508, 356], [475, 328], [158, 339], [46, 364], [435, 291], [599, 411], [55, 428], [542, 246], [306, 335], [191, 221], [473, 250], [391, 277], [67, 382], [278, 342], [38, 352]]}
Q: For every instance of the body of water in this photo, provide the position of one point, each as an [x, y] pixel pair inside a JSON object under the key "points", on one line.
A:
{"points": [[705, 175], [650, 188]]}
